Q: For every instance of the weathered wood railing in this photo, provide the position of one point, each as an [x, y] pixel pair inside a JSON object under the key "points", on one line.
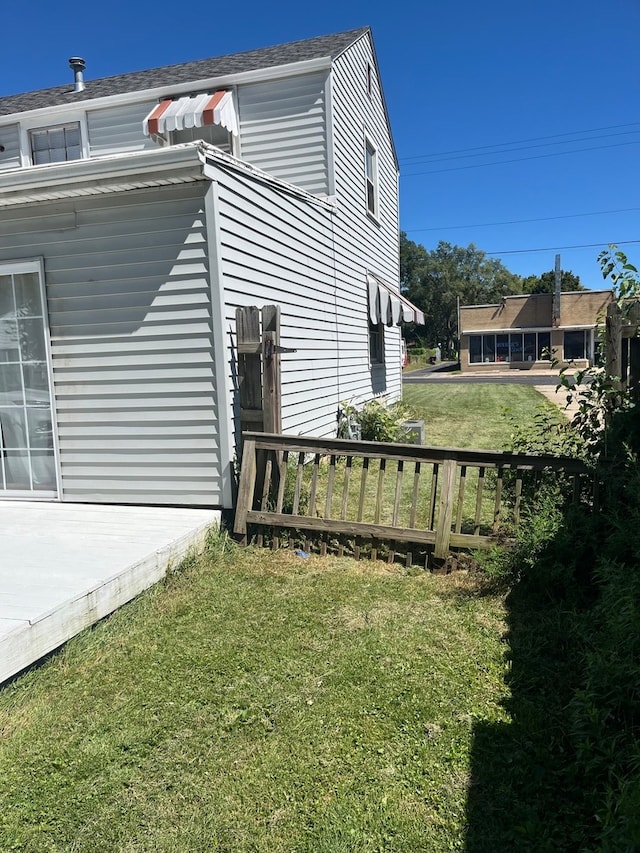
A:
{"points": [[435, 498]]}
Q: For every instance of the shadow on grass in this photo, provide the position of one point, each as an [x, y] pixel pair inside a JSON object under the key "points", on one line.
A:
{"points": [[518, 797], [564, 773]]}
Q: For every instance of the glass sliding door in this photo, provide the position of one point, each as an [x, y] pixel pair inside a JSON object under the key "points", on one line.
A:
{"points": [[27, 457]]}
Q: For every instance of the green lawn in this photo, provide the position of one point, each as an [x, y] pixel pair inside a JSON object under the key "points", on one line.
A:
{"points": [[258, 701], [473, 414]]}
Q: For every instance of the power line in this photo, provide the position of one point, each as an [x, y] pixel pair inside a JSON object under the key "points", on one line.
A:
{"points": [[516, 160], [522, 221], [520, 141], [520, 148], [559, 248]]}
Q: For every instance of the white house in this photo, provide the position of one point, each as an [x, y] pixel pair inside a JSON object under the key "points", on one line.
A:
{"points": [[138, 211]]}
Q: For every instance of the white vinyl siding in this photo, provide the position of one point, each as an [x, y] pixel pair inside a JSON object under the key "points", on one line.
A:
{"points": [[283, 130], [9, 147], [363, 243], [116, 130], [277, 249], [131, 339]]}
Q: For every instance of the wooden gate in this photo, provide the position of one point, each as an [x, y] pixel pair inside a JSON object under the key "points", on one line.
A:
{"points": [[259, 379]]}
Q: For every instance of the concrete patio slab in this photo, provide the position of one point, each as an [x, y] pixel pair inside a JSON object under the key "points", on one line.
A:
{"points": [[63, 567]]}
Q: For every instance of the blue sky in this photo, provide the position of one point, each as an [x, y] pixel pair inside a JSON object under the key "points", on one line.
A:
{"points": [[517, 125]]}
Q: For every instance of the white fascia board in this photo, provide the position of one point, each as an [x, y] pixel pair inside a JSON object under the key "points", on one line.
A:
{"points": [[184, 162], [278, 72]]}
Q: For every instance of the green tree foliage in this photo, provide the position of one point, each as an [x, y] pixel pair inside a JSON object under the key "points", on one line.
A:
{"points": [[546, 283], [435, 280]]}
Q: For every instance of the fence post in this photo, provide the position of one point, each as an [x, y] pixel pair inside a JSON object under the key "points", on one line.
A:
{"points": [[246, 488], [272, 393], [445, 508], [633, 383], [613, 345]]}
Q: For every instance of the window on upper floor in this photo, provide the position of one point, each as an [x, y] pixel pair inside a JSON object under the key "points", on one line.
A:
{"points": [[369, 79], [56, 144], [371, 177]]}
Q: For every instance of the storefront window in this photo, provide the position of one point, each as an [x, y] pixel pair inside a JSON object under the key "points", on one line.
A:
{"points": [[475, 349], [515, 347], [544, 346], [502, 347], [529, 352], [488, 348], [575, 345]]}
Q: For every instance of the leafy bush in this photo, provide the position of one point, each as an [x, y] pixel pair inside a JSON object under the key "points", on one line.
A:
{"points": [[383, 423], [377, 421]]}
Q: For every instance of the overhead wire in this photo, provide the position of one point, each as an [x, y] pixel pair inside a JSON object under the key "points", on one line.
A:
{"points": [[517, 159], [523, 221], [559, 248], [520, 141], [447, 159]]}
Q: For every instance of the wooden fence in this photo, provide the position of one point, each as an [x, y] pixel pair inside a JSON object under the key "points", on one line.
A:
{"points": [[355, 494], [622, 345]]}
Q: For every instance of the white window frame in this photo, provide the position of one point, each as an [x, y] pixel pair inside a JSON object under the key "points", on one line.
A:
{"points": [[36, 265], [371, 184], [40, 123]]}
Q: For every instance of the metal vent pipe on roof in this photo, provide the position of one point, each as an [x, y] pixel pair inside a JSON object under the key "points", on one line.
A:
{"points": [[77, 65]]}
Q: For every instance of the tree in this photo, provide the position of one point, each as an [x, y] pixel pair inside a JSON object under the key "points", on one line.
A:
{"points": [[436, 280], [546, 283]]}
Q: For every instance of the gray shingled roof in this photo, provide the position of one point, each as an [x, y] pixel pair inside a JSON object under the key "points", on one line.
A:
{"points": [[235, 63]]}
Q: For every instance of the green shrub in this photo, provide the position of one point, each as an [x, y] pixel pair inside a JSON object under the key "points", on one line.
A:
{"points": [[383, 423], [377, 421]]}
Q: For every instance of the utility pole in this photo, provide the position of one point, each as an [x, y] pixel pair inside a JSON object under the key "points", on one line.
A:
{"points": [[556, 295]]}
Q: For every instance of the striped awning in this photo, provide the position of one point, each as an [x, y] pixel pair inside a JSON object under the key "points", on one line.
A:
{"points": [[389, 307], [195, 111]]}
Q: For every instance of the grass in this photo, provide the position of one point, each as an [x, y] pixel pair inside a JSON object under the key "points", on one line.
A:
{"points": [[257, 701], [473, 415]]}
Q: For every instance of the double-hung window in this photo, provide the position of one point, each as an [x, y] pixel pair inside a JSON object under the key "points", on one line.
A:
{"points": [[56, 144]]}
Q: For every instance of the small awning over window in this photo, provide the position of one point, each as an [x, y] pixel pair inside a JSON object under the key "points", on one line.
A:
{"points": [[388, 306], [193, 111]]}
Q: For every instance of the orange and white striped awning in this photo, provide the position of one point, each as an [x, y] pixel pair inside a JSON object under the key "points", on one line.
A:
{"points": [[193, 111], [389, 307]]}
